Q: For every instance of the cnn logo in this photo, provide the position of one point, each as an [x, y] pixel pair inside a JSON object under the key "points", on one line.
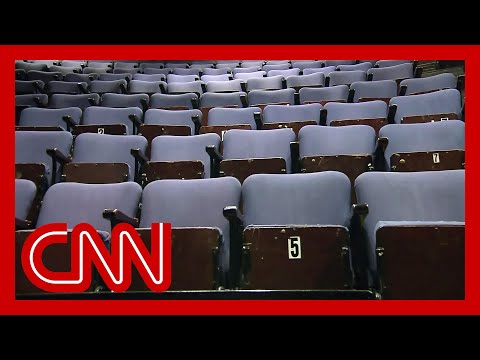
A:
{"points": [[87, 248]]}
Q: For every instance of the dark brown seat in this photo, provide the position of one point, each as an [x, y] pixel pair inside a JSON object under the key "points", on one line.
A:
{"points": [[415, 233], [201, 235], [179, 157], [422, 146], [371, 113], [348, 149], [74, 203], [99, 158], [434, 106], [296, 232], [254, 151]]}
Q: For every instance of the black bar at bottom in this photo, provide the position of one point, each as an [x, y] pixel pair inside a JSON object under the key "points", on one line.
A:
{"points": [[210, 295]]}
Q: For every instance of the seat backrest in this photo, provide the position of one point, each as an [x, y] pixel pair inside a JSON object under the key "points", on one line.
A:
{"points": [[28, 87], [172, 117], [336, 140], [430, 83], [49, 63], [228, 66], [149, 77], [31, 147], [284, 73], [255, 71], [201, 66], [45, 76], [372, 62], [173, 78], [27, 66], [146, 87], [325, 70], [439, 135], [190, 71], [223, 77], [277, 62], [257, 97], [339, 62], [103, 148], [123, 100], [265, 83], [49, 117], [254, 144], [65, 69], [100, 64], [151, 71], [315, 79], [186, 87], [270, 67], [304, 64], [349, 111], [108, 86], [439, 102], [184, 148], [225, 86], [131, 71], [251, 63], [67, 87], [151, 64], [110, 77], [74, 63], [35, 100], [290, 113], [75, 203], [125, 65], [169, 100], [96, 70], [209, 99], [233, 116], [362, 66], [396, 72], [388, 63], [176, 64], [82, 101], [25, 192], [346, 77], [74, 77], [249, 75], [412, 196], [339, 92], [100, 115], [219, 71], [192, 203], [374, 89], [297, 199]]}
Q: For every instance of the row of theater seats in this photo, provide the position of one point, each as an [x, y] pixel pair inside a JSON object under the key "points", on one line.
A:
{"points": [[294, 231], [351, 149], [213, 67], [200, 64], [433, 106], [148, 91], [241, 79], [48, 82], [247, 77]]}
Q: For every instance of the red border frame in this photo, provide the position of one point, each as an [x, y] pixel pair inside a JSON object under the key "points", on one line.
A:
{"points": [[8, 304]]}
